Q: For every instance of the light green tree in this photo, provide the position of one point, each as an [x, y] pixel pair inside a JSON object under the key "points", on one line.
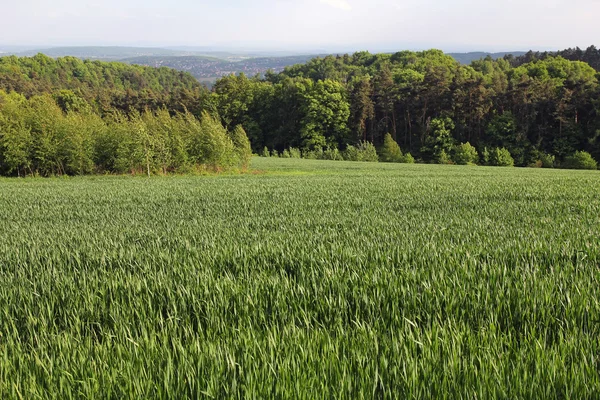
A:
{"points": [[390, 151]]}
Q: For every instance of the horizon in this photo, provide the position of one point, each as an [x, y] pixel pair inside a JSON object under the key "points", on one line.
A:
{"points": [[291, 25], [16, 49]]}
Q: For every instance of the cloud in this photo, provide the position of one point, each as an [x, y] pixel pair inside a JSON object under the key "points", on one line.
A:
{"points": [[341, 4]]}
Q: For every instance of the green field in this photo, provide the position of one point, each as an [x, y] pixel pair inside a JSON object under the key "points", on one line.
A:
{"points": [[308, 279]]}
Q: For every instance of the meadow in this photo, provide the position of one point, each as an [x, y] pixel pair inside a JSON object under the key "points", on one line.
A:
{"points": [[305, 280]]}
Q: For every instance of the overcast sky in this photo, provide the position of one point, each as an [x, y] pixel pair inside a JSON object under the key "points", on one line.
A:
{"points": [[376, 25]]}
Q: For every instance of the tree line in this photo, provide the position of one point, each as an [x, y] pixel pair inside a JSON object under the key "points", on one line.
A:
{"points": [[68, 116], [37, 137], [430, 104]]}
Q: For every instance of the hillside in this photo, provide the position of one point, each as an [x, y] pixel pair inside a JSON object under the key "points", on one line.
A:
{"points": [[209, 64], [104, 85], [207, 69]]}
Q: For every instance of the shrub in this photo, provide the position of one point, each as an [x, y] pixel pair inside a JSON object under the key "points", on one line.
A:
{"points": [[407, 159], [265, 152], [365, 151], [442, 158], [275, 153], [368, 152], [390, 151], [540, 159], [295, 153], [499, 157], [315, 154], [242, 147], [465, 154], [285, 154], [537, 164], [332, 153], [351, 154], [580, 160], [216, 148], [485, 156], [548, 160]]}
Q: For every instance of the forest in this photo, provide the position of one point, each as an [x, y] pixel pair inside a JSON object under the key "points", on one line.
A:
{"points": [[539, 109]]}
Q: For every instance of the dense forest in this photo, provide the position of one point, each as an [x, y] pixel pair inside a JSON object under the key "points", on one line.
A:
{"points": [[105, 86], [539, 109], [591, 55], [427, 101]]}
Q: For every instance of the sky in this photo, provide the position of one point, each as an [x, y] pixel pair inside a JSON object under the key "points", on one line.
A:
{"points": [[295, 25]]}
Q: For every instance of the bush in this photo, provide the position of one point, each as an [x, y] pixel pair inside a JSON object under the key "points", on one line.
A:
{"points": [[548, 160], [537, 164], [443, 158], [351, 154], [390, 151], [275, 153], [315, 154], [465, 154], [499, 157], [365, 151], [266, 152], [368, 152], [407, 159], [295, 153], [540, 159], [286, 154], [580, 160], [332, 153], [243, 150]]}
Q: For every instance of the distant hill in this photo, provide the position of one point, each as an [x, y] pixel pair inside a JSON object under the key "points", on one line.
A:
{"points": [[468, 58], [208, 70], [105, 53], [106, 85], [206, 64]]}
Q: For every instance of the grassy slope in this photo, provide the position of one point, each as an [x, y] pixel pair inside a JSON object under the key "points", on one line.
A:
{"points": [[317, 279]]}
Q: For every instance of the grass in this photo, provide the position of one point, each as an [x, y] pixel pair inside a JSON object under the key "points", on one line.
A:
{"points": [[313, 280]]}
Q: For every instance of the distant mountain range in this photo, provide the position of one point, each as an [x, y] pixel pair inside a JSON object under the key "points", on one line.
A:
{"points": [[206, 64]]}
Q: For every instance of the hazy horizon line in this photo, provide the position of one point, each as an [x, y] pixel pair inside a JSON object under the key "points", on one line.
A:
{"points": [[297, 49]]}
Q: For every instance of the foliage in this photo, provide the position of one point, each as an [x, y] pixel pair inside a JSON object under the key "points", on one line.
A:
{"points": [[543, 160], [465, 154], [439, 143], [243, 149], [427, 102], [365, 151], [38, 138], [332, 153], [326, 114], [407, 159], [295, 153], [390, 151], [498, 157], [81, 85], [580, 160]]}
